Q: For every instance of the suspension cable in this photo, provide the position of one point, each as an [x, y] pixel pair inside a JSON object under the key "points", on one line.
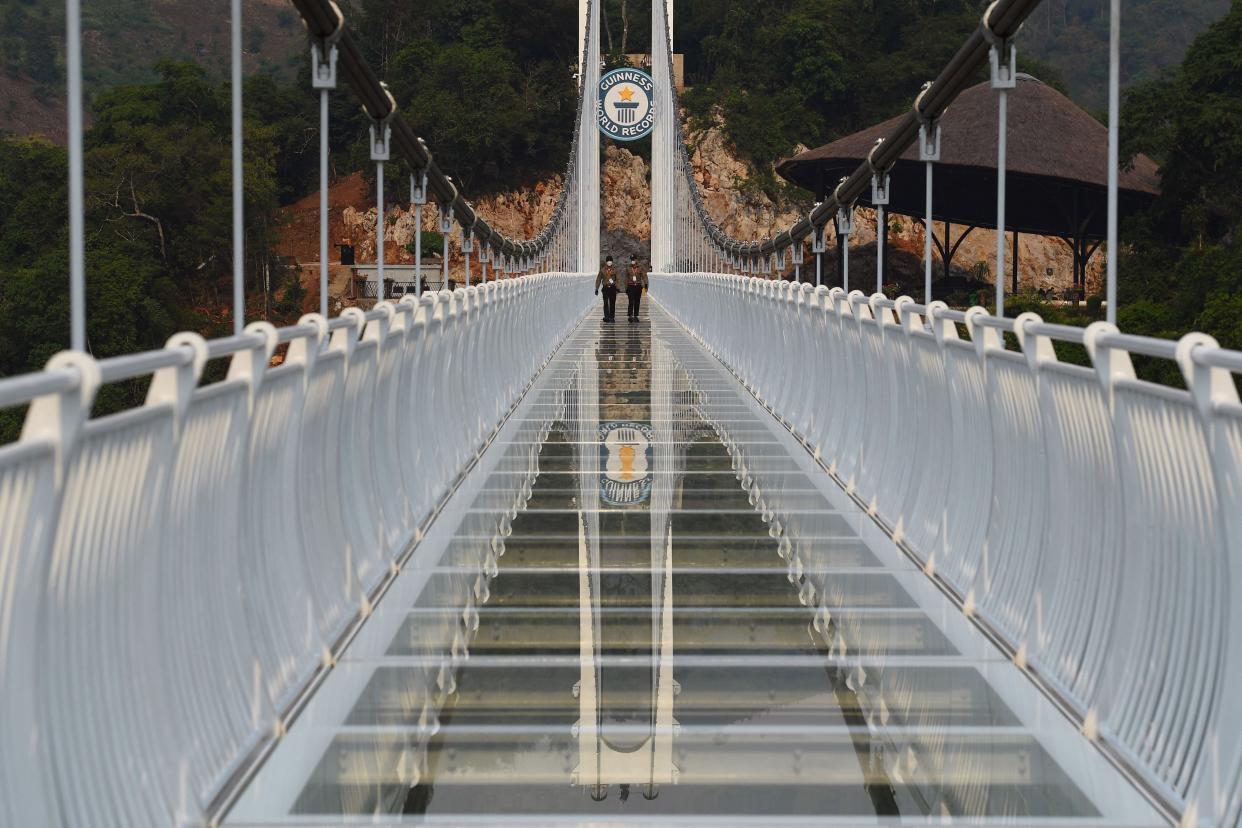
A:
{"points": [[323, 19], [1004, 18]]}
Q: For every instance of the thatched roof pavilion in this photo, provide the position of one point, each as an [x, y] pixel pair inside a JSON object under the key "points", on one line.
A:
{"points": [[1057, 169]]}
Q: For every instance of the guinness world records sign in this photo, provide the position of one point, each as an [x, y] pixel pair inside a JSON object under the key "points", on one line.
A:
{"points": [[626, 110]]}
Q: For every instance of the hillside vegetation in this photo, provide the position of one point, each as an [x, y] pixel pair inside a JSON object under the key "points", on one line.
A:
{"points": [[805, 72], [1073, 36], [490, 84], [158, 221], [123, 40]]}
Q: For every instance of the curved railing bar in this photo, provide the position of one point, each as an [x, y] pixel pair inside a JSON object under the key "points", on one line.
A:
{"points": [[174, 489], [1146, 592], [61, 440]]}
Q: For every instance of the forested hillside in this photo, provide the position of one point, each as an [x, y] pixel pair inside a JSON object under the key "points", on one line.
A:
{"points": [[123, 40], [490, 84], [158, 218], [1183, 269], [791, 72], [1073, 36]]}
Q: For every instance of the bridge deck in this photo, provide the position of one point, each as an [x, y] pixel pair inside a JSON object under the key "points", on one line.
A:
{"points": [[605, 625]]}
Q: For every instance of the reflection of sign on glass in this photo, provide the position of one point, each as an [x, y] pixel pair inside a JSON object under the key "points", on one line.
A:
{"points": [[625, 460]]}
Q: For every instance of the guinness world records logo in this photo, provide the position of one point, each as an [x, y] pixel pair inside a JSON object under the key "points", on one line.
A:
{"points": [[625, 461], [626, 109]]}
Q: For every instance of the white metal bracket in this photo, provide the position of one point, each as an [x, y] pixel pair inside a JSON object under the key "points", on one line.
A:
{"points": [[845, 212], [381, 130], [323, 66], [819, 239], [1004, 74], [929, 129], [323, 70], [418, 187], [929, 141], [879, 178], [845, 220], [381, 140]]}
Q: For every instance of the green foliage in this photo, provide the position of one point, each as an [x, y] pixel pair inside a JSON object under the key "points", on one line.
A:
{"points": [[810, 71], [1182, 266], [1073, 35], [626, 27], [1191, 123], [489, 84], [158, 222], [29, 38], [433, 244], [124, 39]]}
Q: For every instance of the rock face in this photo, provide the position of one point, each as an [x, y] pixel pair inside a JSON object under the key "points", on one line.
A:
{"points": [[625, 202], [743, 211], [516, 214], [1044, 263]]}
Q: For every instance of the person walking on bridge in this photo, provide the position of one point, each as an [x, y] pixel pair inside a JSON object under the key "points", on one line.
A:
{"points": [[635, 284], [607, 280]]}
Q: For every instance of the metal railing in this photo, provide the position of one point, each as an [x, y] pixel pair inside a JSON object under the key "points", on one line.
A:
{"points": [[178, 576], [1088, 520]]}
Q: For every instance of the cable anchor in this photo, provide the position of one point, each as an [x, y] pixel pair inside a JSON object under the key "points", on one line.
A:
{"points": [[929, 128], [324, 53], [879, 178], [845, 212], [1004, 74]]}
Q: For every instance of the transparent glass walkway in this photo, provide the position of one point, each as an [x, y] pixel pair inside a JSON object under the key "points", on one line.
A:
{"points": [[601, 627]]}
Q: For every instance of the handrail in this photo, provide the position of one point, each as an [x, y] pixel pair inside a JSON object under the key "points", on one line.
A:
{"points": [[292, 332], [1143, 345], [229, 345], [999, 323], [1062, 510], [1061, 333], [147, 362], [1217, 358], [115, 525], [22, 389]]}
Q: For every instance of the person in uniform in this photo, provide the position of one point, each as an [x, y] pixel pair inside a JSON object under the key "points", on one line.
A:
{"points": [[607, 281], [635, 283]]}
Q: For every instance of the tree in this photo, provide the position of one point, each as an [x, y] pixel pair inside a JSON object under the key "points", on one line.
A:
{"points": [[489, 84], [809, 71], [1182, 266], [158, 222]]}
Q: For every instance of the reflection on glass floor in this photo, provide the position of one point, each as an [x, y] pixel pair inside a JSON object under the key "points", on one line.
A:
{"points": [[608, 628]]}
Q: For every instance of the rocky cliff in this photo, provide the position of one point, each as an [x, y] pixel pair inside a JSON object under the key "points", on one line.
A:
{"points": [[743, 211]]}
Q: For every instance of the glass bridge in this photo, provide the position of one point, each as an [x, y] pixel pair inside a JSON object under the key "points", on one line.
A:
{"points": [[606, 626]]}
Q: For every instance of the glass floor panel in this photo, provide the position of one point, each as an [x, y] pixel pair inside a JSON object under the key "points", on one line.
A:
{"points": [[649, 606]]}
